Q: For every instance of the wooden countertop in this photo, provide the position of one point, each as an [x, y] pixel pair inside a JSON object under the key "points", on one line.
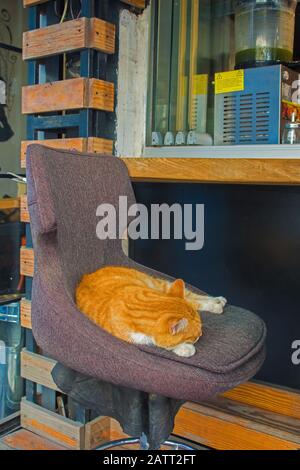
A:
{"points": [[215, 170]]}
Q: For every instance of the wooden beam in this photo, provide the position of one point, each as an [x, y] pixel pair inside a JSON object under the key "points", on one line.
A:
{"points": [[266, 397], [52, 426], [25, 313], [26, 261], [76, 93], [9, 203], [245, 428], [95, 145], [31, 3], [74, 35], [135, 3], [215, 170]]}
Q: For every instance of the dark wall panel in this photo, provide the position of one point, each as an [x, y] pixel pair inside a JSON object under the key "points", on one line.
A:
{"points": [[251, 256]]}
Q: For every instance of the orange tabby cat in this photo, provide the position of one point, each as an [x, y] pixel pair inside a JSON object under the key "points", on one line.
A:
{"points": [[142, 309]]}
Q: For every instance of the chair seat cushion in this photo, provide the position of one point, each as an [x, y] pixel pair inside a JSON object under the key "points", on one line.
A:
{"points": [[228, 342]]}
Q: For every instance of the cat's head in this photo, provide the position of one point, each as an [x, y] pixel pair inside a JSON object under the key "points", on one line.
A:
{"points": [[180, 322]]}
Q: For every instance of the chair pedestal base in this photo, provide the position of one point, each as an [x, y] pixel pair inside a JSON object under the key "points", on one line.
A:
{"points": [[139, 413], [143, 445]]}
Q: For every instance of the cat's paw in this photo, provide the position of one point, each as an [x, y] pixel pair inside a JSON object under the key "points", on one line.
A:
{"points": [[214, 305], [185, 350]]}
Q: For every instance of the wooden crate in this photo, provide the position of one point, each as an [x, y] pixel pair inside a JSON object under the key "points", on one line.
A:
{"points": [[74, 94], [52, 426], [26, 261], [90, 145], [74, 35]]}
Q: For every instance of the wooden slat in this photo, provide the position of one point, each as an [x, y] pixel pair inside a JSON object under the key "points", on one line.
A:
{"points": [[26, 440], [25, 312], [77, 93], [69, 36], [52, 426], [26, 261], [38, 369], [135, 3], [31, 3], [9, 203], [215, 170], [90, 144], [224, 429], [269, 398], [97, 432], [24, 213]]}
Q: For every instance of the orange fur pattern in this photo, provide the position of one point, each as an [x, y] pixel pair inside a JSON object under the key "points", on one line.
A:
{"points": [[139, 308]]}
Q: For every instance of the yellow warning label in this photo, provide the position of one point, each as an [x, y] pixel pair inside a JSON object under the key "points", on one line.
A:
{"points": [[200, 84], [228, 82]]}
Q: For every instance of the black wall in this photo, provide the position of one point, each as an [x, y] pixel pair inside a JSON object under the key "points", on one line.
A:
{"points": [[251, 256]]}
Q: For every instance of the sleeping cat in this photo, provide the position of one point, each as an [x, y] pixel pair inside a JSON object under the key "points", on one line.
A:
{"points": [[142, 309]]}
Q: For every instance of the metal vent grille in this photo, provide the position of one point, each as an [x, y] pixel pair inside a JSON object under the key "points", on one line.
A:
{"points": [[246, 118], [262, 117], [229, 119]]}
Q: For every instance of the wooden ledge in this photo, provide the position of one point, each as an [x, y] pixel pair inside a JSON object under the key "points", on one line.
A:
{"points": [[215, 170]]}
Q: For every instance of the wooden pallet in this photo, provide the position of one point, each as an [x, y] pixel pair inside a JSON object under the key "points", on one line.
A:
{"points": [[73, 94], [69, 36]]}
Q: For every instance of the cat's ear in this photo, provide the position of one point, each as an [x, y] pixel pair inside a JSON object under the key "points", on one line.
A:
{"points": [[177, 288], [178, 325]]}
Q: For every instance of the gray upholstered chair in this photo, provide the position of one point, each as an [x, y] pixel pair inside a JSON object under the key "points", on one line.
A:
{"points": [[142, 387]]}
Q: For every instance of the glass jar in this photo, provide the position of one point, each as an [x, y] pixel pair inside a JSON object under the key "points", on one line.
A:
{"points": [[264, 31], [291, 133]]}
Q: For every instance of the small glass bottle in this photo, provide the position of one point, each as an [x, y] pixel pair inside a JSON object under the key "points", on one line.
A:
{"points": [[291, 132]]}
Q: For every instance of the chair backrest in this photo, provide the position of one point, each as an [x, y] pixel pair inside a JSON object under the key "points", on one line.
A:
{"points": [[65, 189]]}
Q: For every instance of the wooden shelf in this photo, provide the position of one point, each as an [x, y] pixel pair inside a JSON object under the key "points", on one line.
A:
{"points": [[215, 170], [69, 36], [76, 93]]}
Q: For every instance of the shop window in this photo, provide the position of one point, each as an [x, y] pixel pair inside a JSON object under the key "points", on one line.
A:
{"points": [[192, 42]]}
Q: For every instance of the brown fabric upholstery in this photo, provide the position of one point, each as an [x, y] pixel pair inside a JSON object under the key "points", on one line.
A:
{"points": [[64, 191]]}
